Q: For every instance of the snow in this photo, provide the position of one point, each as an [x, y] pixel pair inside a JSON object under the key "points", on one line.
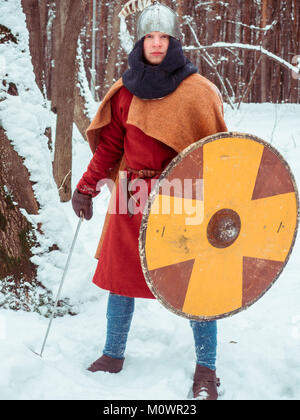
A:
{"points": [[125, 37], [258, 349]]}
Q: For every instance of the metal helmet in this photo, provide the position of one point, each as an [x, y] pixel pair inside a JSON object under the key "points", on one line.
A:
{"points": [[158, 18]]}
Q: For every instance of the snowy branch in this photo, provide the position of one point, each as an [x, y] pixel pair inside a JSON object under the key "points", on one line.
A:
{"points": [[211, 63], [259, 48], [253, 27]]}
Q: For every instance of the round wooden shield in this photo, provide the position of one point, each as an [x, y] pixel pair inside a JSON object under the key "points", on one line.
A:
{"points": [[219, 226]]}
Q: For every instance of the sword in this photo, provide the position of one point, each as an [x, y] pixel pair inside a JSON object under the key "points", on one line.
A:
{"points": [[61, 285]]}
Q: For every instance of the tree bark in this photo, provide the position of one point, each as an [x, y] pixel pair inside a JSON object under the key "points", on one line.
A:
{"points": [[81, 118], [114, 44], [295, 94], [16, 233], [32, 11], [263, 80], [61, 13], [65, 90]]}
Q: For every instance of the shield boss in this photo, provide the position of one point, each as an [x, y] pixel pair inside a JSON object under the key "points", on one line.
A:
{"points": [[219, 226]]}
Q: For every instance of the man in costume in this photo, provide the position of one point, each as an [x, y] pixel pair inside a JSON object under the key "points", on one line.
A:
{"points": [[159, 107]]}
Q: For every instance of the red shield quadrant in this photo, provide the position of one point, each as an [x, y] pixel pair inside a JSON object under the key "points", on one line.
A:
{"points": [[219, 226]]}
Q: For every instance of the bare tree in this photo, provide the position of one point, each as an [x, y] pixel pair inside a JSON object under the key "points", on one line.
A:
{"points": [[114, 44], [263, 80], [65, 90], [54, 28], [17, 235], [15, 231], [31, 9]]}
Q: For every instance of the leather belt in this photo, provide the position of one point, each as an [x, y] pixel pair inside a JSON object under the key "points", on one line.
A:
{"points": [[143, 173]]}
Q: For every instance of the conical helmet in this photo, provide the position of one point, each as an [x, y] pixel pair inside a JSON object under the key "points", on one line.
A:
{"points": [[159, 18]]}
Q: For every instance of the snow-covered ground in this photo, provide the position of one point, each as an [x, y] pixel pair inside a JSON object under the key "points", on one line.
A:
{"points": [[258, 349]]}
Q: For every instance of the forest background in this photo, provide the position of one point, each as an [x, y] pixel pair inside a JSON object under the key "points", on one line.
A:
{"points": [[272, 24]]}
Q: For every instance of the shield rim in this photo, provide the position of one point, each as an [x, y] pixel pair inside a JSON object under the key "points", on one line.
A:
{"points": [[153, 194]]}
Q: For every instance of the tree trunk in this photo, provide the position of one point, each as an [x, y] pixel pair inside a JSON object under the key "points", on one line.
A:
{"points": [[32, 11], [61, 13], [263, 81], [16, 233], [295, 94], [114, 44], [81, 119], [65, 89]]}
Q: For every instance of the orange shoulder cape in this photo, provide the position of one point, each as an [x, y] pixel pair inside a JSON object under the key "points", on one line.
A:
{"points": [[193, 111]]}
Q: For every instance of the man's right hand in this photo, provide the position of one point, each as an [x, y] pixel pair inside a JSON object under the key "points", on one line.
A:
{"points": [[82, 203]]}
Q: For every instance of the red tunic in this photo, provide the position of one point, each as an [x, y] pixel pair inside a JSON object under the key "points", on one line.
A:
{"points": [[119, 269]]}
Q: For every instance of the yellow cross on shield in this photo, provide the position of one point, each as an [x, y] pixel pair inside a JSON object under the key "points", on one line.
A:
{"points": [[219, 226]]}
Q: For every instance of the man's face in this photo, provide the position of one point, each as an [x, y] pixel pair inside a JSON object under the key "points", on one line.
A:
{"points": [[156, 45]]}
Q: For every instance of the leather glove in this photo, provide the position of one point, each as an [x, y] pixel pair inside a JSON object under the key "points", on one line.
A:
{"points": [[82, 202]]}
